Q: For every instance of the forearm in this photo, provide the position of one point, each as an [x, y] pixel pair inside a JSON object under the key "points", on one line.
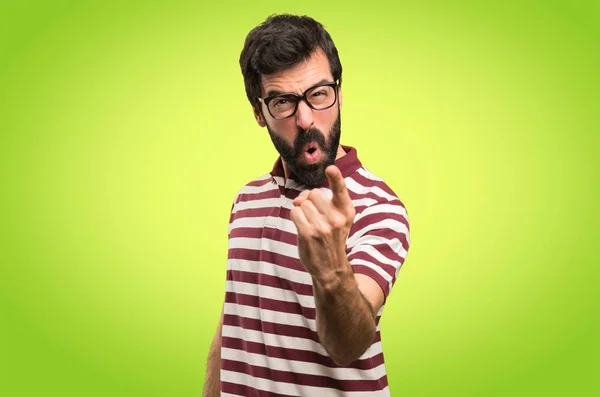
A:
{"points": [[213, 367], [345, 319]]}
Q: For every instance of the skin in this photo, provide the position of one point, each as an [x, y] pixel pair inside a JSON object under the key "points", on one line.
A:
{"points": [[321, 213], [296, 80], [346, 303], [212, 387]]}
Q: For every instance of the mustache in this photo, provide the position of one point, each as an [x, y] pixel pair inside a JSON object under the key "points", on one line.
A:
{"points": [[312, 135]]}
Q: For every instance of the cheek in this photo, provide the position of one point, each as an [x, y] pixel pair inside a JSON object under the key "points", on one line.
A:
{"points": [[285, 129], [325, 121]]}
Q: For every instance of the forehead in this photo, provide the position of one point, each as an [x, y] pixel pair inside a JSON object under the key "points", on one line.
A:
{"points": [[300, 77]]}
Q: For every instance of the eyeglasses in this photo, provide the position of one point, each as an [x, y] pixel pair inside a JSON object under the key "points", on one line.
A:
{"points": [[318, 97]]}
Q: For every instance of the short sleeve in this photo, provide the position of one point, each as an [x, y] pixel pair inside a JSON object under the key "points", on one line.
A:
{"points": [[232, 214], [378, 242]]}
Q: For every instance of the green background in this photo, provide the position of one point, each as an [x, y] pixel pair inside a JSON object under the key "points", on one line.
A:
{"points": [[126, 133]]}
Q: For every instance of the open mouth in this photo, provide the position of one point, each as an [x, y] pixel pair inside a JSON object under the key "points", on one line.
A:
{"points": [[312, 153], [311, 147]]}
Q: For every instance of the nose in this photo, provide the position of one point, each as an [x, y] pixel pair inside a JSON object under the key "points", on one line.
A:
{"points": [[304, 116]]}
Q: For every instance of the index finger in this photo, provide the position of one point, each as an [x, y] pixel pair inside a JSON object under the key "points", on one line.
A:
{"points": [[341, 197]]}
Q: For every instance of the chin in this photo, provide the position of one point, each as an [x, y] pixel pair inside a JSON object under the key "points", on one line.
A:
{"points": [[311, 174]]}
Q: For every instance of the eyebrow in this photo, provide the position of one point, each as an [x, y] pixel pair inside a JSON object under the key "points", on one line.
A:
{"points": [[271, 93]]}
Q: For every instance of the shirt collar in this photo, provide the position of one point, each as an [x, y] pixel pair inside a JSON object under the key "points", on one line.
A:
{"points": [[347, 164]]}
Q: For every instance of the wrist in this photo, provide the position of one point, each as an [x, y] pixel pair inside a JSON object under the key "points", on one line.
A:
{"points": [[334, 281]]}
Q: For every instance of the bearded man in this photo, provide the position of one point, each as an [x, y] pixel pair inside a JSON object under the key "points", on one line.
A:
{"points": [[315, 245]]}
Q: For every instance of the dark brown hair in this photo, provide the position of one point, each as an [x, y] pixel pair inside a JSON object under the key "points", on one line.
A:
{"points": [[281, 42]]}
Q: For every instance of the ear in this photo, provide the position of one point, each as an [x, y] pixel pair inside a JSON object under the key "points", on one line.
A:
{"points": [[259, 117], [340, 97]]}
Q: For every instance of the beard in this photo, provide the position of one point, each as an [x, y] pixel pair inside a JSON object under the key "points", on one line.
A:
{"points": [[309, 174]]}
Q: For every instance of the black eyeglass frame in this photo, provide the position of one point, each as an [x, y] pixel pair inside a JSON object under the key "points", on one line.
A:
{"points": [[298, 98]]}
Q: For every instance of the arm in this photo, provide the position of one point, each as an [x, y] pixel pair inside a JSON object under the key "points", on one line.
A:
{"points": [[346, 304], [345, 314], [212, 387]]}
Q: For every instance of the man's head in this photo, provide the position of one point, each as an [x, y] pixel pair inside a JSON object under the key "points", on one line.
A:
{"points": [[285, 58]]}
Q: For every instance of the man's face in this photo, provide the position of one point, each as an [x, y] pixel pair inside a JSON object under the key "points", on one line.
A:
{"points": [[308, 141]]}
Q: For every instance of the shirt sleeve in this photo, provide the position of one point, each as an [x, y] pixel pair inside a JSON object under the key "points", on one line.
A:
{"points": [[378, 243], [232, 214]]}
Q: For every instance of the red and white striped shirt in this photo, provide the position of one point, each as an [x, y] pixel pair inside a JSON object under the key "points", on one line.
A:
{"points": [[269, 339]]}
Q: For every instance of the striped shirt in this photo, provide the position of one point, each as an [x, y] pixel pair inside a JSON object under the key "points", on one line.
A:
{"points": [[270, 345]]}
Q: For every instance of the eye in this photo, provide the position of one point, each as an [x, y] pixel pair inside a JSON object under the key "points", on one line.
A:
{"points": [[278, 102]]}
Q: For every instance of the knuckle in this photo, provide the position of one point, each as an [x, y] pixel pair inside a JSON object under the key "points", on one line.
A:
{"points": [[305, 204], [310, 233], [351, 213], [314, 193], [324, 230], [337, 220]]}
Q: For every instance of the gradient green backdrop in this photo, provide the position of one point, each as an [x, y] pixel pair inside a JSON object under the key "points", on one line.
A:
{"points": [[125, 135]]}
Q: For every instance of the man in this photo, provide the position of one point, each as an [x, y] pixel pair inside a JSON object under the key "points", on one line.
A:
{"points": [[314, 246]]}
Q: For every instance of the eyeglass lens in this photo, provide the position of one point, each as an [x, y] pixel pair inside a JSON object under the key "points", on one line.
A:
{"points": [[320, 97]]}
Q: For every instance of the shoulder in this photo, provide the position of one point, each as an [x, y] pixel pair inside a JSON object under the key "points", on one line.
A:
{"points": [[379, 210], [257, 189], [368, 190]]}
